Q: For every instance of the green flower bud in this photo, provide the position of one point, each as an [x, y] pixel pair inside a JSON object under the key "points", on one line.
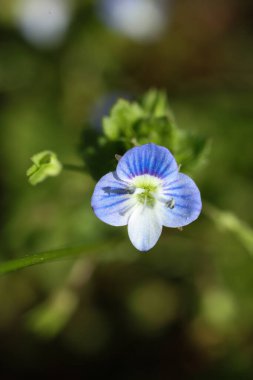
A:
{"points": [[45, 164]]}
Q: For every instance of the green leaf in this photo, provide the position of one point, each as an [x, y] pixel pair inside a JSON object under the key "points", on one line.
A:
{"points": [[121, 120], [190, 150], [156, 104], [153, 129], [45, 164]]}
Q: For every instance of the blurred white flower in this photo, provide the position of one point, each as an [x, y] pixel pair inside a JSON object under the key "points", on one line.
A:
{"points": [[141, 20], [43, 22]]}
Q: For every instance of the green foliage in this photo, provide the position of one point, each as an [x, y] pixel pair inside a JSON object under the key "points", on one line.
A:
{"points": [[136, 123], [229, 222], [156, 103], [43, 257], [45, 164], [86, 250], [98, 152], [119, 125]]}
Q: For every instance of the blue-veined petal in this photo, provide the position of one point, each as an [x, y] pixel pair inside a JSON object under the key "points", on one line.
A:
{"points": [[144, 227], [186, 204], [147, 159], [112, 201]]}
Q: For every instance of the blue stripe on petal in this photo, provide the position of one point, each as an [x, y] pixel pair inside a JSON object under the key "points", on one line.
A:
{"points": [[174, 195], [183, 206], [106, 205], [112, 200], [125, 172], [187, 202], [177, 188], [135, 166], [147, 159], [165, 169]]}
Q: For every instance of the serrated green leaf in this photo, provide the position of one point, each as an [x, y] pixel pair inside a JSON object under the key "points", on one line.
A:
{"points": [[155, 103], [153, 129], [121, 120]]}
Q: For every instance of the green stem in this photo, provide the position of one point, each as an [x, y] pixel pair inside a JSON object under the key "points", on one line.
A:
{"points": [[228, 221], [49, 256], [75, 168]]}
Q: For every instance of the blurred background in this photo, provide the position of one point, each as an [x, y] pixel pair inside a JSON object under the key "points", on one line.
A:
{"points": [[184, 310]]}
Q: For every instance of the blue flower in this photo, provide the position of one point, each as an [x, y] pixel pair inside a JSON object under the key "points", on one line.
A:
{"points": [[146, 192]]}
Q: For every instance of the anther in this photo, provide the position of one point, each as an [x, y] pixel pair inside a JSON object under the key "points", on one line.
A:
{"points": [[171, 203], [118, 157]]}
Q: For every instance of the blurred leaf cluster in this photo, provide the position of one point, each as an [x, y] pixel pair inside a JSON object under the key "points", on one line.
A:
{"points": [[135, 123]]}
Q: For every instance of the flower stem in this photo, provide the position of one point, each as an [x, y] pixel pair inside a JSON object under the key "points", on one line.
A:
{"points": [[228, 221], [74, 168]]}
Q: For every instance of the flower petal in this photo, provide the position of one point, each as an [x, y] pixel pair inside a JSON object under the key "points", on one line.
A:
{"points": [[186, 202], [112, 201], [144, 227], [147, 159]]}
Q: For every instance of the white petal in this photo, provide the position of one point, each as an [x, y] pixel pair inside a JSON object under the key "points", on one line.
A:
{"points": [[144, 227]]}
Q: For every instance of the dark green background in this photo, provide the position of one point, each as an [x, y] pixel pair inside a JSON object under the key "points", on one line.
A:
{"points": [[182, 311]]}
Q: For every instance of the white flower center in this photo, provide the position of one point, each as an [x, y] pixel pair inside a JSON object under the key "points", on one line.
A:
{"points": [[147, 189]]}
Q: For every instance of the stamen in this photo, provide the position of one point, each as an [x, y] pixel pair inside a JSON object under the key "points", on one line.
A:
{"points": [[171, 203], [118, 191], [118, 157], [168, 203]]}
